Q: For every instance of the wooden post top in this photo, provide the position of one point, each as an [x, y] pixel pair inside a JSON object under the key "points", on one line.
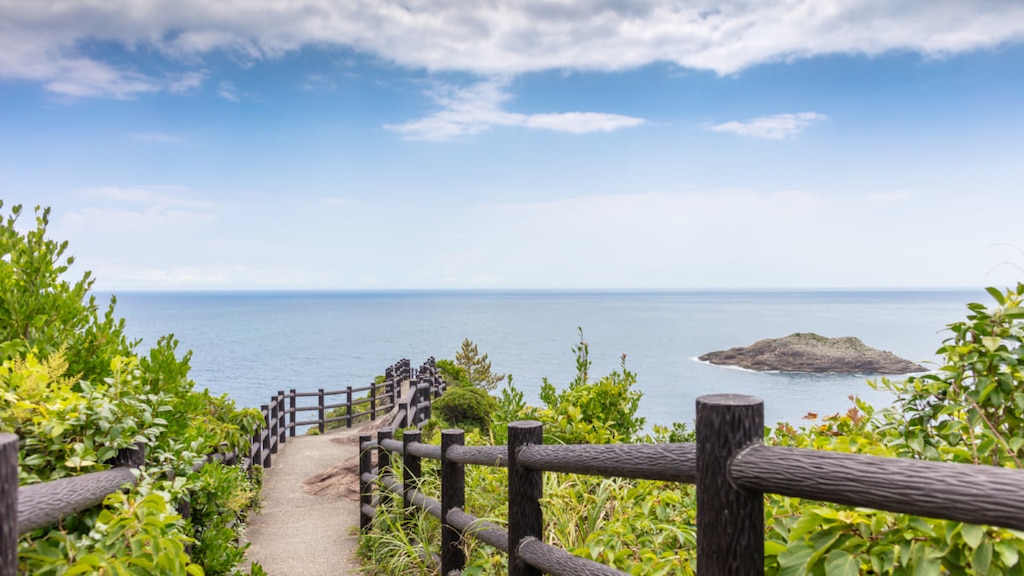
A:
{"points": [[729, 400]]}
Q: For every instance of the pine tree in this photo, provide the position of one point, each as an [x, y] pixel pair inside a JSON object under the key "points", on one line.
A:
{"points": [[478, 368]]}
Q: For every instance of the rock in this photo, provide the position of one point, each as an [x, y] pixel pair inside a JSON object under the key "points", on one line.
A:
{"points": [[808, 352]]}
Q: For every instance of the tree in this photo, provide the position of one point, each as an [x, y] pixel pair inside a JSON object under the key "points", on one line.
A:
{"points": [[41, 311], [477, 366]]}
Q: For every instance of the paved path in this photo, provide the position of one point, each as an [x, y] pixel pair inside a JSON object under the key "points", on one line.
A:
{"points": [[299, 534]]}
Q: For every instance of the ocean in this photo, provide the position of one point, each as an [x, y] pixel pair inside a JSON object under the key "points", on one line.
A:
{"points": [[251, 344]]}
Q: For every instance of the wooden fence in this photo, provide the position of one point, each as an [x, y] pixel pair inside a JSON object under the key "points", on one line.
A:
{"points": [[26, 508], [408, 390], [729, 464]]}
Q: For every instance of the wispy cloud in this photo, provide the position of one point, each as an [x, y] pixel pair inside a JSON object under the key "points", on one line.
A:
{"points": [[152, 196], [227, 91], [318, 83], [774, 127], [186, 82], [480, 107]]}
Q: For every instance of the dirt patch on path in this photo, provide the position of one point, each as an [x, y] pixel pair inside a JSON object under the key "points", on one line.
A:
{"points": [[342, 479]]}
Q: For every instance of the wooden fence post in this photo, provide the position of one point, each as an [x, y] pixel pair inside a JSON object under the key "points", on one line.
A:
{"points": [[272, 428], [453, 495], [383, 461], [8, 504], [525, 488], [426, 399], [348, 408], [291, 412], [265, 437], [365, 488], [256, 451], [405, 421], [272, 425], [320, 412], [373, 400], [410, 471], [730, 522], [389, 384], [282, 428]]}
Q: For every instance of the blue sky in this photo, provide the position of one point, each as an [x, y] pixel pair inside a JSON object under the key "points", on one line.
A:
{"points": [[550, 144]]}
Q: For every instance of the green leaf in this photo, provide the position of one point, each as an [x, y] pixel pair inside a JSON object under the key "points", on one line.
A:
{"points": [[972, 534], [1014, 312], [997, 294], [981, 560], [925, 561], [841, 563], [794, 560], [991, 342], [1008, 554], [773, 548], [922, 525]]}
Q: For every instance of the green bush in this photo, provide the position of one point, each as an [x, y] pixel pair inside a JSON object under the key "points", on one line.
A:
{"points": [[75, 391], [452, 373], [465, 407], [592, 411]]}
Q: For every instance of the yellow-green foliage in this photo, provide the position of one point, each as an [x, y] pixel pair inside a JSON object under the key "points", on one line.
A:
{"points": [[75, 391]]}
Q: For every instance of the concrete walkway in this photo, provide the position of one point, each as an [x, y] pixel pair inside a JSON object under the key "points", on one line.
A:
{"points": [[297, 533]]}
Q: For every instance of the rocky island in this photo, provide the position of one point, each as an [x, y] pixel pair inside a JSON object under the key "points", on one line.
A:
{"points": [[813, 353]]}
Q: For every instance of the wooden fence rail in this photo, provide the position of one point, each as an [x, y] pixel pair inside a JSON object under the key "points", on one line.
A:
{"points": [[729, 464], [26, 508], [281, 420]]}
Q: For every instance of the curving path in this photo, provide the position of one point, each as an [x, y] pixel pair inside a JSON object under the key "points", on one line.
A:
{"points": [[309, 521]]}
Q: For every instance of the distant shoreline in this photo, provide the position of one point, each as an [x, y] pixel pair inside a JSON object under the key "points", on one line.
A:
{"points": [[551, 291]]}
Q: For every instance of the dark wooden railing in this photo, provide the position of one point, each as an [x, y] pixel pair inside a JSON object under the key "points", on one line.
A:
{"points": [[729, 464], [27, 508], [405, 391]]}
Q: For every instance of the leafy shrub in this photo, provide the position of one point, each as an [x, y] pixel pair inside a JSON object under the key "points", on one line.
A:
{"points": [[465, 406], [452, 373], [972, 408], [75, 390], [592, 411]]}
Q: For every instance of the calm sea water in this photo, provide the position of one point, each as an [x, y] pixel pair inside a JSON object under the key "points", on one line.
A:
{"points": [[250, 344]]}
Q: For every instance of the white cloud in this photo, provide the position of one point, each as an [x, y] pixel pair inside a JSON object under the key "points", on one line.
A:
{"points": [[186, 82], [46, 58], [227, 91], [42, 41], [775, 127], [582, 122], [152, 196], [479, 107]]}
